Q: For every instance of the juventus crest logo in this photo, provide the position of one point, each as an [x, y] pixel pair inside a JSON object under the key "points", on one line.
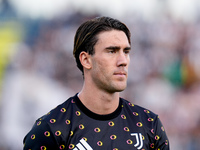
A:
{"points": [[139, 141]]}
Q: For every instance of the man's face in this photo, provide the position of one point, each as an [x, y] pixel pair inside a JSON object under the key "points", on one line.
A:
{"points": [[110, 61]]}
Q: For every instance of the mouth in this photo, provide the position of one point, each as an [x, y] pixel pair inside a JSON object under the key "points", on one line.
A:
{"points": [[121, 73]]}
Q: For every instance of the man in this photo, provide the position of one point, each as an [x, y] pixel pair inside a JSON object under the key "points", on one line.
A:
{"points": [[96, 118]]}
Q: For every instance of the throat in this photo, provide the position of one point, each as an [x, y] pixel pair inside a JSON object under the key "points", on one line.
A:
{"points": [[100, 105], [99, 112]]}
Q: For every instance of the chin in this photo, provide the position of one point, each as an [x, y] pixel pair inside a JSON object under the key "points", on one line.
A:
{"points": [[120, 89], [116, 87]]}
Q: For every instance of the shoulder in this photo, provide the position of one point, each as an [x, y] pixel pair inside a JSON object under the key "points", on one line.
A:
{"points": [[51, 128], [56, 119], [137, 110], [59, 111], [144, 116]]}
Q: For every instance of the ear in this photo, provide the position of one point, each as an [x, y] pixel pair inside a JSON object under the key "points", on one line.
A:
{"points": [[85, 60]]}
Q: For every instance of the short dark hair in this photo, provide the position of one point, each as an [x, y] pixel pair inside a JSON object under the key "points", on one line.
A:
{"points": [[86, 35]]}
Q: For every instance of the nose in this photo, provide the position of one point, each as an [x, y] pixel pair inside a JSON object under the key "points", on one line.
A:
{"points": [[123, 59]]}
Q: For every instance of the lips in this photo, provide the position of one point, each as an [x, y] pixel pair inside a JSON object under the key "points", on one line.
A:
{"points": [[120, 73]]}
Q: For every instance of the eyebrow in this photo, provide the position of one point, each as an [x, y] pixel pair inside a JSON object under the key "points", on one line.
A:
{"points": [[117, 48]]}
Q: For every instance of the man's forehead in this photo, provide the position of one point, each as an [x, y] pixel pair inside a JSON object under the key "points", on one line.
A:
{"points": [[112, 37]]}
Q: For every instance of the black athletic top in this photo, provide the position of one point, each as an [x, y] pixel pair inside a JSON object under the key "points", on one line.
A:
{"points": [[72, 126]]}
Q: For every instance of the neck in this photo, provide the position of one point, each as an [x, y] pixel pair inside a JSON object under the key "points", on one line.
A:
{"points": [[99, 102]]}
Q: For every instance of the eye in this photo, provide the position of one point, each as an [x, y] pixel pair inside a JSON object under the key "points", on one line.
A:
{"points": [[112, 51], [126, 51]]}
